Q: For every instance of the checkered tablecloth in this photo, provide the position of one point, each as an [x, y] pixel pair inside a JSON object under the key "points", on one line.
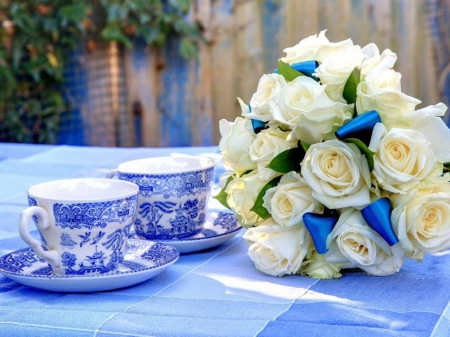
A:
{"points": [[217, 292]]}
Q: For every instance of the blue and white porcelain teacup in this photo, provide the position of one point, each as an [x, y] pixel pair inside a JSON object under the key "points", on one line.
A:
{"points": [[173, 194], [84, 224]]}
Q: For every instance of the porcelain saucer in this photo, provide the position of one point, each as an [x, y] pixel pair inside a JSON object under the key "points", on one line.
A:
{"points": [[219, 228], [143, 260]]}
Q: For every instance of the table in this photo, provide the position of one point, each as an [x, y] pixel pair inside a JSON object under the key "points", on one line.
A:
{"points": [[217, 292]]}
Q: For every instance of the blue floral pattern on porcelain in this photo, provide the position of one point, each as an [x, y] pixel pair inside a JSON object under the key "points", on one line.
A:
{"points": [[158, 216], [82, 224], [157, 254], [143, 260], [33, 202]]}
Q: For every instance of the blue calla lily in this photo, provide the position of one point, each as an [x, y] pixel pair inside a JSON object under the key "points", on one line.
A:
{"points": [[319, 227], [378, 216], [258, 126], [359, 127], [307, 68]]}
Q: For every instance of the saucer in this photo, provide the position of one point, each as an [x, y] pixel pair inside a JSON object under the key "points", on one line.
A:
{"points": [[143, 260], [219, 228]]}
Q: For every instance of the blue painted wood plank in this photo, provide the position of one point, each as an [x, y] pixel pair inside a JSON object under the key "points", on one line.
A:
{"points": [[175, 99], [72, 126], [272, 26]]}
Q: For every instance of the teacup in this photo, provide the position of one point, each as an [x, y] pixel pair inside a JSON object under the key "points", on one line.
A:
{"points": [[84, 224], [173, 194]]}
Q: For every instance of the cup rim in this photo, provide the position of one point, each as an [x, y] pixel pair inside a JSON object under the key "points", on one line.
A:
{"points": [[68, 199], [120, 167]]}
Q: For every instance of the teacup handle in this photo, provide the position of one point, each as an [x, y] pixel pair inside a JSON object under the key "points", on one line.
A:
{"points": [[51, 256], [111, 174]]}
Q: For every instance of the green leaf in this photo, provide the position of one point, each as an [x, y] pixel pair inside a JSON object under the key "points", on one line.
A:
{"points": [[364, 149], [181, 5], [258, 207], [288, 160], [288, 73], [113, 32], [446, 167], [351, 85], [222, 195], [188, 49], [304, 146], [75, 12]]}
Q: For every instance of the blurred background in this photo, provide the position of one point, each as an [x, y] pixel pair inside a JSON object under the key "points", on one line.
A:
{"points": [[164, 72]]}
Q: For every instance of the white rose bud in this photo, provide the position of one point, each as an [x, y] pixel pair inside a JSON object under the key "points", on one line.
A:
{"points": [[374, 61], [278, 250], [269, 88], [403, 158], [422, 221], [241, 196], [318, 267], [353, 240], [236, 140], [338, 174], [268, 144], [314, 47], [335, 71], [289, 200], [305, 107]]}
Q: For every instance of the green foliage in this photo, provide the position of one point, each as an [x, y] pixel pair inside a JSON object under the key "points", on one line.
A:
{"points": [[222, 195], [349, 93], [38, 36], [153, 21], [258, 207], [446, 168], [287, 71], [289, 160], [364, 150]]}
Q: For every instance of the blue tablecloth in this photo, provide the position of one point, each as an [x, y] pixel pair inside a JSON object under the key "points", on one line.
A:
{"points": [[217, 292]]}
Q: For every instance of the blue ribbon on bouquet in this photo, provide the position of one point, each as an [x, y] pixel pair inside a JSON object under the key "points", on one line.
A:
{"points": [[257, 125], [378, 216], [360, 127], [319, 227], [307, 68]]}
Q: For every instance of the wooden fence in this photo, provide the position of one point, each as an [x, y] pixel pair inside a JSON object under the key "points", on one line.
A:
{"points": [[168, 101]]}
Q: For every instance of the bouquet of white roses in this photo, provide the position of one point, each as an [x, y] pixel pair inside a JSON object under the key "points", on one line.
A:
{"points": [[332, 167]]}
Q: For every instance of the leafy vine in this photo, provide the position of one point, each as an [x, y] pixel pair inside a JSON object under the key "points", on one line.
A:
{"points": [[37, 38]]}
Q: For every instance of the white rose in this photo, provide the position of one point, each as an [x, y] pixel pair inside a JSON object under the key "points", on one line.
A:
{"points": [[403, 158], [223, 178], [421, 221], [305, 107], [430, 111], [268, 144], [374, 61], [416, 118], [353, 240], [241, 196], [269, 88], [428, 122], [277, 250], [289, 200], [381, 91], [314, 47], [334, 71], [236, 140], [318, 267], [338, 174]]}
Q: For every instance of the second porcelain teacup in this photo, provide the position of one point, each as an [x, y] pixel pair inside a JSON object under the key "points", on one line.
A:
{"points": [[84, 224], [173, 194]]}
